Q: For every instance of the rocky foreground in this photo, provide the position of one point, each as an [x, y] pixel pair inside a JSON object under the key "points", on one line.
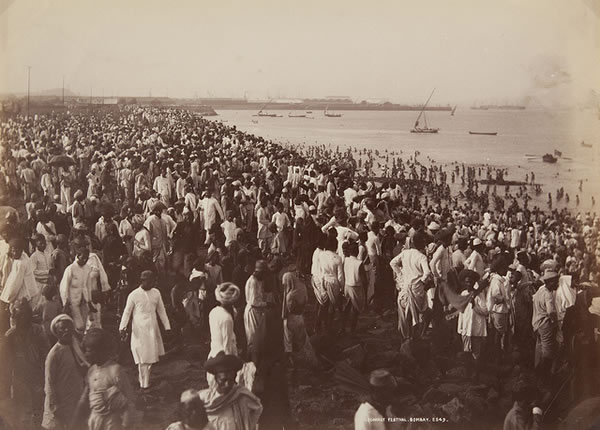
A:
{"points": [[439, 386]]}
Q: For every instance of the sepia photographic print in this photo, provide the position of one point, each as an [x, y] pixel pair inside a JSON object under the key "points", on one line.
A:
{"points": [[299, 215]]}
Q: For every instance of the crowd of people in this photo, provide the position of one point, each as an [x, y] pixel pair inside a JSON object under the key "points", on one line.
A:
{"points": [[153, 226]]}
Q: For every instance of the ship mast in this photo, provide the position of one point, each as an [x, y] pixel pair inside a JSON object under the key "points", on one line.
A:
{"points": [[423, 110]]}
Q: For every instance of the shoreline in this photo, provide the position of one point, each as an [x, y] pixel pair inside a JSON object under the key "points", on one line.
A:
{"points": [[535, 200]]}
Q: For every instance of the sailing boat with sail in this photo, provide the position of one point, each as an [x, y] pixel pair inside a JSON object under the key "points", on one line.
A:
{"points": [[453, 110], [271, 115], [426, 129]]}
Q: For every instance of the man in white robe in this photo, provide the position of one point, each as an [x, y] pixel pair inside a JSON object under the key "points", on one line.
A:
{"points": [[19, 281], [159, 235], [143, 305], [75, 288], [255, 312], [180, 186], [40, 264], [475, 261], [412, 273], [162, 186], [212, 208]]}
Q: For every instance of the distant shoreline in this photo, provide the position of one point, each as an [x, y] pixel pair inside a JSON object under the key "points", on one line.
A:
{"points": [[322, 106]]}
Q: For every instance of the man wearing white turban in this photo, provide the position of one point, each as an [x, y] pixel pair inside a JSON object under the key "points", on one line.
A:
{"points": [[220, 320]]}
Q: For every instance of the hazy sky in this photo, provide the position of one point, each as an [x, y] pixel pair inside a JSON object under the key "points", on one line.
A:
{"points": [[470, 50]]}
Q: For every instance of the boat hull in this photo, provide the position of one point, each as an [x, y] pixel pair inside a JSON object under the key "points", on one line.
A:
{"points": [[425, 130], [482, 133]]}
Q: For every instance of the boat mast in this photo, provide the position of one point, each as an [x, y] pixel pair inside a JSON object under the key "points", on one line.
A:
{"points": [[264, 106], [423, 110]]}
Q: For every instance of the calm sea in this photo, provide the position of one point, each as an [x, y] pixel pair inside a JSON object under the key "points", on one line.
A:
{"points": [[521, 135]]}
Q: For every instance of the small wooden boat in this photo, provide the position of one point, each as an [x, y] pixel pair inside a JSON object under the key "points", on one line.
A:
{"points": [[269, 115], [426, 130], [254, 121], [291, 115], [549, 158], [557, 153], [265, 114], [586, 145], [484, 133]]}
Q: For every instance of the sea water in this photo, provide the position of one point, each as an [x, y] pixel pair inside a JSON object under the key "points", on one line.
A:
{"points": [[524, 136]]}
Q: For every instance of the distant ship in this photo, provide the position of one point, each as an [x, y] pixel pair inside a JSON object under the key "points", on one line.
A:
{"points": [[484, 133], [499, 107], [291, 115], [507, 107], [426, 129], [331, 115], [586, 145], [549, 158]]}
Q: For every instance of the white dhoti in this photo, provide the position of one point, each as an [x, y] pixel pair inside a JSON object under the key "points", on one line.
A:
{"points": [[430, 297], [79, 312], [372, 277], [319, 290], [144, 374], [255, 324]]}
